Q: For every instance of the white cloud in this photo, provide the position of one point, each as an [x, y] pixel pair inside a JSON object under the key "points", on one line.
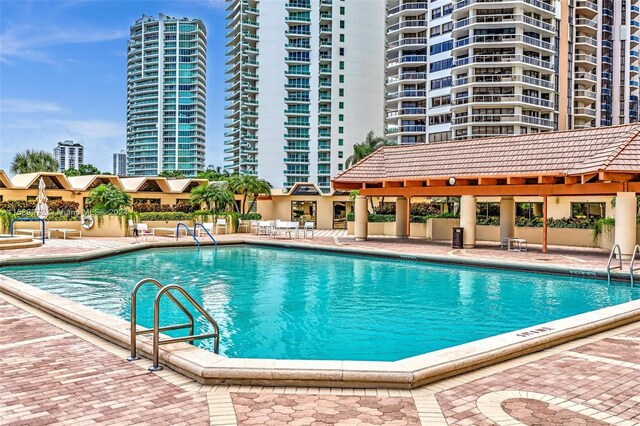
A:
{"points": [[30, 106], [31, 42]]}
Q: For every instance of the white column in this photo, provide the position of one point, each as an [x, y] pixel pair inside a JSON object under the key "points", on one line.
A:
{"points": [[402, 213], [507, 217], [625, 233], [468, 220], [362, 218]]}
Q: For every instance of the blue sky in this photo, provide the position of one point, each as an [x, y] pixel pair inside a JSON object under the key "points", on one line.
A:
{"points": [[63, 73]]}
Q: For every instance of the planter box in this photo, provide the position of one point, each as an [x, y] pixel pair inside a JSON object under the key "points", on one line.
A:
{"points": [[441, 229], [487, 233], [108, 226], [418, 230]]}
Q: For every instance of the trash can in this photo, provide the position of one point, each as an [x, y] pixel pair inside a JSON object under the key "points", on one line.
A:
{"points": [[456, 239]]}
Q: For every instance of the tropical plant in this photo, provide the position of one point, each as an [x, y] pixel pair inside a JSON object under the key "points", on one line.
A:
{"points": [[83, 170], [353, 194], [31, 161], [214, 196], [172, 174], [603, 226], [107, 197], [214, 175], [366, 148], [249, 185]]}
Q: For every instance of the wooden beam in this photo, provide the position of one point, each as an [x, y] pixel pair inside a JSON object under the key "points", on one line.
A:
{"points": [[391, 184], [487, 181], [587, 177], [616, 177], [414, 183], [436, 182], [544, 224], [545, 179], [515, 180], [571, 180], [634, 187], [535, 190]]}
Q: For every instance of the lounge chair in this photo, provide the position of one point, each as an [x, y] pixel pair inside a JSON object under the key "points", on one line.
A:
{"points": [[308, 227], [207, 225], [221, 223], [65, 232], [145, 232]]}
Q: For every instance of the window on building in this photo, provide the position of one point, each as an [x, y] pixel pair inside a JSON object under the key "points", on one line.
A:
{"points": [[340, 142], [341, 78], [341, 105], [340, 166], [340, 154], [341, 38], [340, 129], [340, 117], [340, 92], [341, 51], [341, 65], [342, 24], [341, 10], [588, 210]]}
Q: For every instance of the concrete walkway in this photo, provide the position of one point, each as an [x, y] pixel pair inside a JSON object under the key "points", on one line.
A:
{"points": [[54, 373]]}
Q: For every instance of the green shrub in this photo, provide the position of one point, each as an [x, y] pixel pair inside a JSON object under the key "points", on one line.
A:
{"points": [[374, 218], [603, 226], [443, 215], [5, 220], [148, 216], [529, 223], [417, 219], [490, 221]]}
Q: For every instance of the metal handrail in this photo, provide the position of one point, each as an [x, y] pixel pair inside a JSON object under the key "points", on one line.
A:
{"points": [[28, 219], [188, 231], [205, 230], [609, 267], [632, 269], [156, 325], [134, 320]]}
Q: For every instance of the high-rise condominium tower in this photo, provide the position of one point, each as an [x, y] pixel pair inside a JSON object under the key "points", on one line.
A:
{"points": [[120, 163], [468, 69], [69, 155], [166, 85], [305, 82]]}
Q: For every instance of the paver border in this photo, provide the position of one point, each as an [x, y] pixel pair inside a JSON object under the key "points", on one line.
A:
{"points": [[209, 368]]}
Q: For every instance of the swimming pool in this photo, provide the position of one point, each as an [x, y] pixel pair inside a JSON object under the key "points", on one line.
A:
{"points": [[300, 304]]}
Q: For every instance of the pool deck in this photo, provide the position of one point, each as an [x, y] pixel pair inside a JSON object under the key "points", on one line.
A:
{"points": [[53, 372]]}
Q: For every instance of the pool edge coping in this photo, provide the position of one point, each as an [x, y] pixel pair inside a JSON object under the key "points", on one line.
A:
{"points": [[576, 271], [209, 368]]}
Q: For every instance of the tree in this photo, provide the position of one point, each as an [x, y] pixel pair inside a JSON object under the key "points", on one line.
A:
{"points": [[366, 148], [83, 170], [32, 161], [108, 197], [249, 185], [216, 198], [214, 175], [172, 174]]}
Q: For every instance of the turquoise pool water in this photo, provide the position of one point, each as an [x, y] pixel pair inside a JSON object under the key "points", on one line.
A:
{"points": [[293, 304]]}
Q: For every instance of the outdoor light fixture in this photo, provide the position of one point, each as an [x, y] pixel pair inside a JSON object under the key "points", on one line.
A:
{"points": [[452, 181]]}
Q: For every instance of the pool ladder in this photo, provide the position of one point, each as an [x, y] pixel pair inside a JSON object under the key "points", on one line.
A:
{"points": [[632, 268], [193, 234], [155, 331]]}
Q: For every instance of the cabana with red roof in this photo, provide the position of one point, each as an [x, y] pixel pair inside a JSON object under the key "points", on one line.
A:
{"points": [[598, 161]]}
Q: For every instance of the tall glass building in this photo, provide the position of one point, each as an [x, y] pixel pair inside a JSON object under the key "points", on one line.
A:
{"points": [[305, 83], [166, 96]]}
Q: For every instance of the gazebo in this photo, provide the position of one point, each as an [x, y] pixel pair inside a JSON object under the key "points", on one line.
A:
{"points": [[597, 161]]}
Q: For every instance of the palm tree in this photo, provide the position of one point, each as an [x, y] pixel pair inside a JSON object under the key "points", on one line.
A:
{"points": [[214, 175], [249, 185], [32, 161], [366, 148], [172, 174], [83, 170], [108, 197], [213, 196]]}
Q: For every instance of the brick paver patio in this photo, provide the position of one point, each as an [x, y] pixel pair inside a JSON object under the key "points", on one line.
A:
{"points": [[53, 373]]}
